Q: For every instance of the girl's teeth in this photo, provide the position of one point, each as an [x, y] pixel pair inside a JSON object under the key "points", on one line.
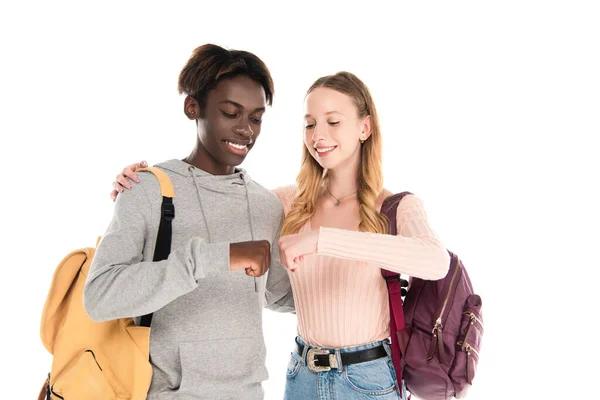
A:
{"points": [[325, 149]]}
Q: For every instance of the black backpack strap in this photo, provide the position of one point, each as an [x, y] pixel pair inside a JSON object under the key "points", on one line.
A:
{"points": [[162, 249], [165, 230], [163, 241]]}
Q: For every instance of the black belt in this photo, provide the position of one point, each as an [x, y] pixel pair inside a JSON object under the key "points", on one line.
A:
{"points": [[319, 360]]}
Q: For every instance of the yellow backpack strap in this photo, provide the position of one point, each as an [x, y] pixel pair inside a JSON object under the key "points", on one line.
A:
{"points": [[166, 187]]}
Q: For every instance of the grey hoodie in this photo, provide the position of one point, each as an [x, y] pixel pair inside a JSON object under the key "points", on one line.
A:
{"points": [[206, 340]]}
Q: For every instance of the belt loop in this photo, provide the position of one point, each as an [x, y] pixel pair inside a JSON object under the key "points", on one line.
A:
{"points": [[386, 346], [303, 355], [338, 356]]}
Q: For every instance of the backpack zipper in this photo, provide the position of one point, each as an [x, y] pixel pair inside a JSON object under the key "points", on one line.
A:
{"points": [[56, 394], [437, 327], [94, 356], [468, 347], [96, 361], [473, 317], [438, 321], [469, 372]]}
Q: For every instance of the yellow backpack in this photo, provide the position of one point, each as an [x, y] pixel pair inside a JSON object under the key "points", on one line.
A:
{"points": [[92, 360]]}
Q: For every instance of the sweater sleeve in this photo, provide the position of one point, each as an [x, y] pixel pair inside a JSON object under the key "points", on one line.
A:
{"points": [[415, 251]]}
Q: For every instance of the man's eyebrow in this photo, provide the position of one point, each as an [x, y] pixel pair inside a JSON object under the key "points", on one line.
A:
{"points": [[238, 105]]}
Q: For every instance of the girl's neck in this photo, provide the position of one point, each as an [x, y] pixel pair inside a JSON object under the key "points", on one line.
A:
{"points": [[343, 180]]}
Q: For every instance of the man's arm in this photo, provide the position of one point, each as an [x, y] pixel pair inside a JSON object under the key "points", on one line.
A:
{"points": [[119, 284]]}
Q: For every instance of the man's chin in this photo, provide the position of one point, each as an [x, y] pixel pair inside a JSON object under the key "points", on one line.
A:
{"points": [[234, 160]]}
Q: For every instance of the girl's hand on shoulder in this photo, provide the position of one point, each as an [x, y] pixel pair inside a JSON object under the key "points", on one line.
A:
{"points": [[121, 183]]}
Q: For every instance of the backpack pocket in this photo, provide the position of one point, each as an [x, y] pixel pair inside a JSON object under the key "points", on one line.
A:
{"points": [[87, 379], [468, 345], [426, 379]]}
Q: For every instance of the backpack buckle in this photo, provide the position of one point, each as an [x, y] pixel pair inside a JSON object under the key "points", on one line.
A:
{"points": [[168, 211]]}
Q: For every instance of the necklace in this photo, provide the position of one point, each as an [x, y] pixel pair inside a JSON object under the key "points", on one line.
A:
{"points": [[338, 201]]}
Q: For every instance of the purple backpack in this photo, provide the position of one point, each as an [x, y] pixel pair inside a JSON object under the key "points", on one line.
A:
{"points": [[436, 333]]}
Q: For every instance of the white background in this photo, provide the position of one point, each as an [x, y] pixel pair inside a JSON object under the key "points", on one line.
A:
{"points": [[488, 112]]}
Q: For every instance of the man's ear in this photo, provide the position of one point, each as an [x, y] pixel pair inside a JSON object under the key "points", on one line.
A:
{"points": [[191, 108]]}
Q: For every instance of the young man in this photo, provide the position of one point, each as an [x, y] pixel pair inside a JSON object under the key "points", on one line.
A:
{"points": [[206, 339]]}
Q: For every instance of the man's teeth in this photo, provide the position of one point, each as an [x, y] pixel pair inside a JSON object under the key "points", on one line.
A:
{"points": [[237, 146], [324, 149]]}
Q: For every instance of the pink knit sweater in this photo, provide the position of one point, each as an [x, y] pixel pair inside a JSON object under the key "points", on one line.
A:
{"points": [[341, 297]]}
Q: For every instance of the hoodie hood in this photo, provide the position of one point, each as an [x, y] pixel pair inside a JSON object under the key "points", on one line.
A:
{"points": [[232, 183]]}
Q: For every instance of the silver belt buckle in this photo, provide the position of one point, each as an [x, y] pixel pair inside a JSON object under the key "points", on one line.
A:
{"points": [[310, 359]]}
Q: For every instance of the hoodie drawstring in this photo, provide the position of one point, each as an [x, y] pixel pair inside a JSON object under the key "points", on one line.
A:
{"points": [[248, 203], [249, 219], [191, 169]]}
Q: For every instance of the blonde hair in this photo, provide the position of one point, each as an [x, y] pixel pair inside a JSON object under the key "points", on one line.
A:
{"points": [[370, 176]]}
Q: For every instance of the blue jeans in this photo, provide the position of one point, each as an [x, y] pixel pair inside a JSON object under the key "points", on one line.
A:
{"points": [[374, 379]]}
